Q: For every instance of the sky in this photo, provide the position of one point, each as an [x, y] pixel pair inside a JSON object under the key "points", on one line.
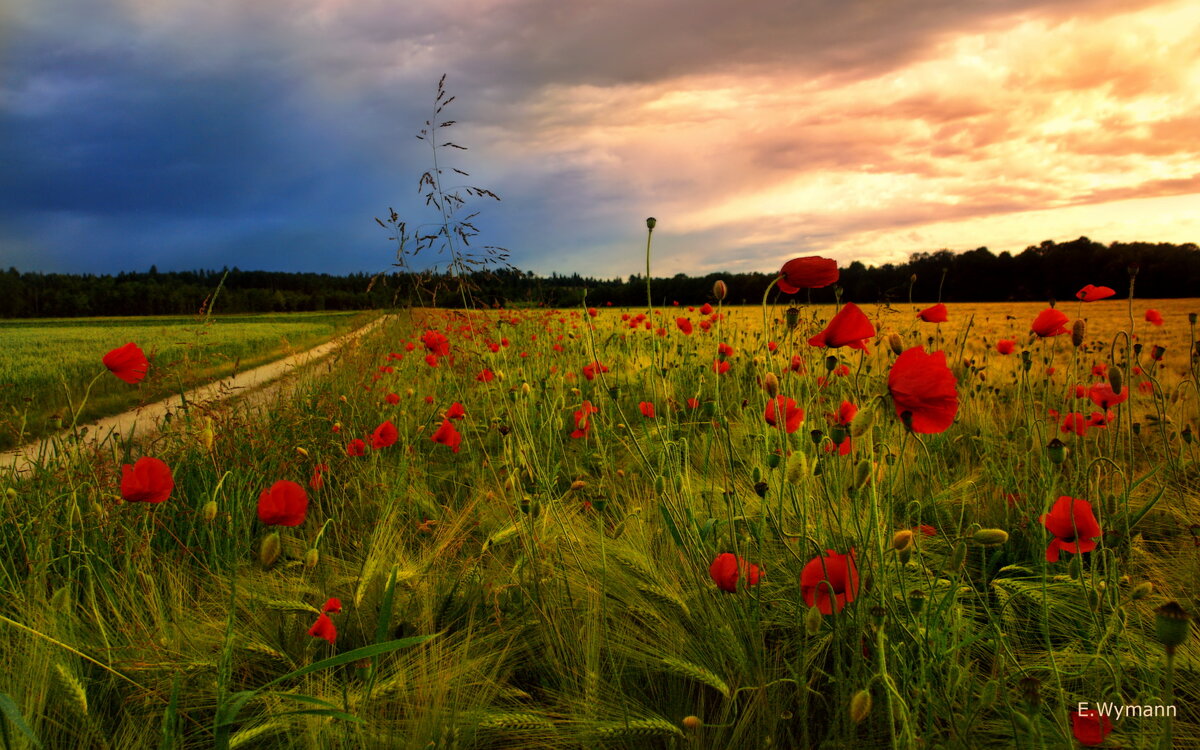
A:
{"points": [[197, 134]]}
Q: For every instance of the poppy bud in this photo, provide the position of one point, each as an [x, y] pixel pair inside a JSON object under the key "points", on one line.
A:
{"points": [[651, 223], [916, 601], [957, 556], [207, 435], [878, 614], [1137, 428], [1115, 380], [1075, 568], [902, 540], [691, 723], [1142, 590], [760, 488], [860, 706], [268, 551], [773, 460], [659, 485], [311, 558], [896, 345], [912, 279], [771, 385], [862, 422], [837, 434], [720, 290], [1157, 353], [1056, 450], [1171, 625], [525, 388], [1192, 318], [817, 436], [990, 537], [210, 511], [792, 317], [1078, 332], [862, 474], [830, 363], [1186, 434], [813, 619]]}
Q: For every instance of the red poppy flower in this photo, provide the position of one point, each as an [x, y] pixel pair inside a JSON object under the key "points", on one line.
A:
{"points": [[923, 387], [324, 628], [1146, 387], [1005, 346], [1100, 420], [726, 570], [935, 314], [1049, 322], [456, 411], [332, 604], [1073, 525], [720, 367], [845, 414], [850, 327], [1090, 727], [431, 360], [647, 408], [706, 309], [797, 365], [384, 435], [447, 435], [793, 415], [830, 582], [693, 403], [724, 350], [392, 398], [317, 481], [485, 376], [811, 272], [589, 371], [593, 312], [148, 480], [583, 422], [285, 504], [1074, 422], [1154, 316], [128, 363], [1102, 395], [1092, 293], [705, 326], [436, 343], [684, 325], [356, 447], [1100, 370]]}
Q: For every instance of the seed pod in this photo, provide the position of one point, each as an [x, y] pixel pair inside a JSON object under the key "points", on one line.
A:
{"points": [[792, 317], [831, 362], [651, 223], [720, 290], [895, 343], [1057, 451], [1078, 333], [760, 489], [860, 706], [269, 550], [991, 537], [311, 558], [1171, 625], [916, 601]]}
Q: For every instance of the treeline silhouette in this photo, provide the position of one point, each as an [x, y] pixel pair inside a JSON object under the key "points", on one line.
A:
{"points": [[1047, 271]]}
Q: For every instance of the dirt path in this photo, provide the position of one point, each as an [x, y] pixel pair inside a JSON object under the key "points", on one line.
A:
{"points": [[252, 386]]}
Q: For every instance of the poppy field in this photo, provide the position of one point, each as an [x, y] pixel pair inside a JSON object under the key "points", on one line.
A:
{"points": [[685, 526], [43, 361]]}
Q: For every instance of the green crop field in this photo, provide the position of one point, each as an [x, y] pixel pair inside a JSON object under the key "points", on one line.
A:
{"points": [[46, 364], [556, 529]]}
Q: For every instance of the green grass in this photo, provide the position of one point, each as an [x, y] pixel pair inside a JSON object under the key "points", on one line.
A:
{"points": [[565, 581], [42, 361]]}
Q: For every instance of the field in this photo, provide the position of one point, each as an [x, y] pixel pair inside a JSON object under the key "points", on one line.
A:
{"points": [[42, 361], [588, 528]]}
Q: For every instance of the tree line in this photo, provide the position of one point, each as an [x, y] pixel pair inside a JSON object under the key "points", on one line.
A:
{"points": [[1047, 271]]}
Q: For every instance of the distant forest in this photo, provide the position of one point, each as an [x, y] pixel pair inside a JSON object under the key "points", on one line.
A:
{"points": [[1046, 271]]}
